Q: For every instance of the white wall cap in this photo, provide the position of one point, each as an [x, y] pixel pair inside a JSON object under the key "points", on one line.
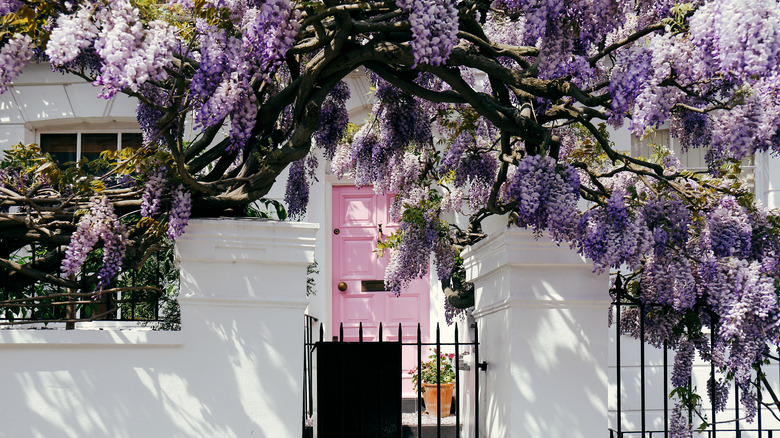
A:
{"points": [[243, 303], [249, 240], [519, 247]]}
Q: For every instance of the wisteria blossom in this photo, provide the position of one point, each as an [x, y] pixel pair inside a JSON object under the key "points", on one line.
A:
{"points": [[14, 55], [99, 223], [458, 109], [181, 208]]}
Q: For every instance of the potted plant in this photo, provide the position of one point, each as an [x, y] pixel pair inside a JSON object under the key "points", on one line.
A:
{"points": [[430, 388]]}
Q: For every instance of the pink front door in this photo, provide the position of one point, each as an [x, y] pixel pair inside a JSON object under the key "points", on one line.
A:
{"points": [[359, 216]]}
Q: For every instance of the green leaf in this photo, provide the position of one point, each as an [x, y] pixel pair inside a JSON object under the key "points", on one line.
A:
{"points": [[281, 212], [97, 185]]}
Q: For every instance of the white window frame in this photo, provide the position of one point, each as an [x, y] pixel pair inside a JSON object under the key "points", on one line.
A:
{"points": [[748, 165]]}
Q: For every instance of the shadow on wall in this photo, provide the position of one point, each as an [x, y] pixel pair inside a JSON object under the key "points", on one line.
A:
{"points": [[223, 380], [554, 371]]}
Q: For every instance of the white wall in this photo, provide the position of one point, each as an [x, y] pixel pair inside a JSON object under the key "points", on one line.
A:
{"points": [[234, 370], [541, 312], [43, 99]]}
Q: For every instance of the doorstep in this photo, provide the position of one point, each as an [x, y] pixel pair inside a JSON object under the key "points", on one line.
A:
{"points": [[410, 405], [429, 432], [409, 426], [409, 422]]}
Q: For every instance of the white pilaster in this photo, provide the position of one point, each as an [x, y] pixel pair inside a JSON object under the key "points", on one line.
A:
{"points": [[243, 294], [542, 317]]}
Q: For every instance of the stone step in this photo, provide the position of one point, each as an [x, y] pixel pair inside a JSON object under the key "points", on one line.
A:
{"points": [[429, 432], [410, 405], [448, 431], [409, 423]]}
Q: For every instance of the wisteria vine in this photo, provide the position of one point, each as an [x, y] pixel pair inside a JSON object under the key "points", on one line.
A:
{"points": [[475, 108]]}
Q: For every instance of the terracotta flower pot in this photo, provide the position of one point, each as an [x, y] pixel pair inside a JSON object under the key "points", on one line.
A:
{"points": [[429, 396]]}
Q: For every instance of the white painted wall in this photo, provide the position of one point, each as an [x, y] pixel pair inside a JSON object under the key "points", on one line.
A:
{"points": [[41, 99], [234, 370], [541, 313], [44, 100]]}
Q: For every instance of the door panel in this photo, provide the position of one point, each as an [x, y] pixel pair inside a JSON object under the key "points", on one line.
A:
{"points": [[358, 215]]}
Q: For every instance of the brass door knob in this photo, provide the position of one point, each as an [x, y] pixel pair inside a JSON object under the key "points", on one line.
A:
{"points": [[342, 286]]}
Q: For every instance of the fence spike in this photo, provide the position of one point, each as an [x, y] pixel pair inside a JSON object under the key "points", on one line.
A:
{"points": [[760, 399], [438, 380], [457, 383], [341, 332], [643, 413], [380, 332], [476, 380], [713, 387], [666, 389], [419, 379], [360, 332]]}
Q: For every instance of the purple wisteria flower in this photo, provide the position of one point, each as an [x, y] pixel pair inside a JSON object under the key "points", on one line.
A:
{"points": [[153, 191], [333, 119], [8, 6], [728, 231], [181, 207], [435, 28], [14, 56], [99, 223], [297, 194]]}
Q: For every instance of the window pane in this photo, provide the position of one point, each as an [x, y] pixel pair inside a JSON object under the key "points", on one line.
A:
{"points": [[93, 144], [132, 140], [643, 147], [62, 147]]}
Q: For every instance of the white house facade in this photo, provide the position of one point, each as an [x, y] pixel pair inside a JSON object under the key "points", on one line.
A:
{"points": [[65, 116]]}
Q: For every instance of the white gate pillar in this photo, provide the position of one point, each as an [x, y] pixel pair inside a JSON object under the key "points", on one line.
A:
{"points": [[542, 319], [243, 296]]}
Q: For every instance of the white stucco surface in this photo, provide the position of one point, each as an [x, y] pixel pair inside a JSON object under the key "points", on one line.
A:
{"points": [[235, 369], [541, 313]]}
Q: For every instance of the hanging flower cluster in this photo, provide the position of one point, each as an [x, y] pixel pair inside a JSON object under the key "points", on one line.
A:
{"points": [[156, 187], [99, 223]]}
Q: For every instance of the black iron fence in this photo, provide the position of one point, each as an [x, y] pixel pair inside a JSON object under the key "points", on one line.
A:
{"points": [[458, 347], [729, 424], [308, 369], [141, 293]]}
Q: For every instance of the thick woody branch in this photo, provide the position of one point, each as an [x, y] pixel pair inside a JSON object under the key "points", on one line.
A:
{"points": [[36, 274]]}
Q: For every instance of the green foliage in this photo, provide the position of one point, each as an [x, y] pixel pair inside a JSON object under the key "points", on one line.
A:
{"points": [[428, 370], [680, 13], [279, 211], [158, 304], [311, 285]]}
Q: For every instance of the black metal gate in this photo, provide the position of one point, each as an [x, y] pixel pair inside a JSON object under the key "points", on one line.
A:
{"points": [[731, 427], [359, 389], [359, 384]]}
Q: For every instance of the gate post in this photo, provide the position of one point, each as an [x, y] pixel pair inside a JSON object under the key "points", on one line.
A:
{"points": [[243, 296], [542, 318]]}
